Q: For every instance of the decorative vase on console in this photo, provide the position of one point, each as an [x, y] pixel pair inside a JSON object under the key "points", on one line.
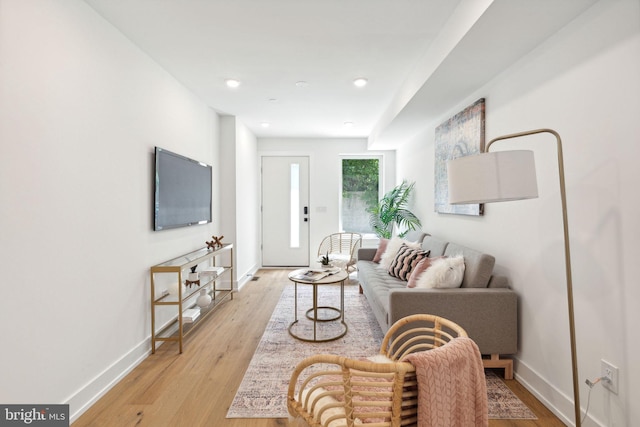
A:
{"points": [[204, 299]]}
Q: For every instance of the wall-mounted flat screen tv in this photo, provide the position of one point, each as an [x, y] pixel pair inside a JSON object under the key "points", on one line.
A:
{"points": [[182, 191]]}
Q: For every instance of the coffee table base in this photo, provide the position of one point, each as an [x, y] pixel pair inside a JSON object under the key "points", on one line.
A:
{"points": [[315, 338], [311, 316]]}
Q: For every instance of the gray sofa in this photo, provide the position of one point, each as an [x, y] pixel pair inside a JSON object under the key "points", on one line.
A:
{"points": [[484, 305]]}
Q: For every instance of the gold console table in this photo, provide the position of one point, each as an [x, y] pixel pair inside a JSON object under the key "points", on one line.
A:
{"points": [[185, 293]]}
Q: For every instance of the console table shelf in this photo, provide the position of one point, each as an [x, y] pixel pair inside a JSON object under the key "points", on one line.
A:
{"points": [[175, 327]]}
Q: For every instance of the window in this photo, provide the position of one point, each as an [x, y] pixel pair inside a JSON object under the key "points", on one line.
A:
{"points": [[360, 191]]}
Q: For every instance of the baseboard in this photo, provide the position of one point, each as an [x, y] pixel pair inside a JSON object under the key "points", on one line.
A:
{"points": [[555, 400], [82, 400], [247, 276]]}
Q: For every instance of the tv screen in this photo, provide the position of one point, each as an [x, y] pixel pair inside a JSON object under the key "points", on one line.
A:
{"points": [[182, 191]]}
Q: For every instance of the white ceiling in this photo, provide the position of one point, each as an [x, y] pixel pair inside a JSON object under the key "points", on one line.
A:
{"points": [[405, 48]]}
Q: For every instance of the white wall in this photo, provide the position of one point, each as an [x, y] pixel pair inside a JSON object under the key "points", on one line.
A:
{"points": [[247, 209], [325, 171], [583, 82], [241, 194], [81, 109]]}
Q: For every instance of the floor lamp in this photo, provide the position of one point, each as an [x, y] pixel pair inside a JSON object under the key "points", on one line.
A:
{"points": [[511, 175]]}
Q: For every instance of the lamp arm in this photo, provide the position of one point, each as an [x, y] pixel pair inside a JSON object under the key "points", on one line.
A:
{"points": [[567, 252]]}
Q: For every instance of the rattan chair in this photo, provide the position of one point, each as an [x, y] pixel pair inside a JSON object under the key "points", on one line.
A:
{"points": [[342, 247], [332, 391]]}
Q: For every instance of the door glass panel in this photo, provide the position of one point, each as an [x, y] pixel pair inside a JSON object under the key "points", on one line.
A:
{"points": [[295, 206]]}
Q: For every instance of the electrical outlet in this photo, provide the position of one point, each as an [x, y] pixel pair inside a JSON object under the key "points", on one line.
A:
{"points": [[610, 376]]}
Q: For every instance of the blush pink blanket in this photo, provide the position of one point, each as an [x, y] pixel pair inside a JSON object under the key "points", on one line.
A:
{"points": [[452, 390]]}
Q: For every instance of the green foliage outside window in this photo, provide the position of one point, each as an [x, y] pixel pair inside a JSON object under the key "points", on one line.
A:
{"points": [[360, 178]]}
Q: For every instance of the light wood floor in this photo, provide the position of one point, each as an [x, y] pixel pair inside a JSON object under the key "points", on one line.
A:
{"points": [[196, 388]]}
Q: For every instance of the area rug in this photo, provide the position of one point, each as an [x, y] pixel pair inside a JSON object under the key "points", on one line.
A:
{"points": [[263, 391]]}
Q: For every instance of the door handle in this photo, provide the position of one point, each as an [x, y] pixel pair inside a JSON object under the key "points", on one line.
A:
{"points": [[306, 210]]}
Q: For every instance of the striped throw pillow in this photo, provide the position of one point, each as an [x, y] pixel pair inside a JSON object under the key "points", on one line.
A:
{"points": [[406, 259]]}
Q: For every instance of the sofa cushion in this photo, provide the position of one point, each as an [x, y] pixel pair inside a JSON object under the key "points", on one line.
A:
{"points": [[434, 245], [415, 236], [378, 284], [478, 265], [405, 260], [366, 254]]}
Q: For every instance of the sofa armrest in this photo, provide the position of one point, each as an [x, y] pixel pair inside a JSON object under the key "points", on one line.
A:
{"points": [[490, 316], [498, 282], [366, 254]]}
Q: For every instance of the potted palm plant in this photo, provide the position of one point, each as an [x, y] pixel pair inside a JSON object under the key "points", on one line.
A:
{"points": [[392, 209]]}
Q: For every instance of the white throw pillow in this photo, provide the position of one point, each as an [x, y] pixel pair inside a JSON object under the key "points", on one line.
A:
{"points": [[392, 250], [443, 273]]}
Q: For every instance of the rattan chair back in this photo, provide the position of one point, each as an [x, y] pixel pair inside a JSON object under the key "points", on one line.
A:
{"points": [[345, 244], [418, 332]]}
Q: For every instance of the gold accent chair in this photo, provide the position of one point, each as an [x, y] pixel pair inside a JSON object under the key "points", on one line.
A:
{"points": [[342, 247]]}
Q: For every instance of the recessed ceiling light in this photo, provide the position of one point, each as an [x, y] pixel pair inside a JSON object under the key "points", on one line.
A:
{"points": [[233, 83], [360, 82], [265, 124], [272, 100], [302, 83], [348, 124]]}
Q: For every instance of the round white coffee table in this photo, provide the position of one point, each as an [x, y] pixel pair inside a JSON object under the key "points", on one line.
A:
{"points": [[319, 313]]}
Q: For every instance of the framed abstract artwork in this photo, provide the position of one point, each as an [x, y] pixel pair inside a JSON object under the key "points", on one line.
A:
{"points": [[461, 135]]}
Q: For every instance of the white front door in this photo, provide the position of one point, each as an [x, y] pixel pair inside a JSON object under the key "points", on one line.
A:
{"points": [[285, 211]]}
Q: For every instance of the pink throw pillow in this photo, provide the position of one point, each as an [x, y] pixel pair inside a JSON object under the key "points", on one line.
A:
{"points": [[420, 268], [382, 247]]}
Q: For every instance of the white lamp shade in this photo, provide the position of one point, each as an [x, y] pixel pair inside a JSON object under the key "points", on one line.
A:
{"points": [[492, 177]]}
